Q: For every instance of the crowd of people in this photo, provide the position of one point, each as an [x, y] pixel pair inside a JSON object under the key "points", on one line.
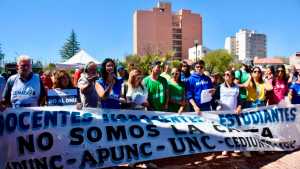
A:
{"points": [[178, 89], [182, 88]]}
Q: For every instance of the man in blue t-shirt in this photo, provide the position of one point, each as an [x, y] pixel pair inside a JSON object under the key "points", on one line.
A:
{"points": [[294, 92], [196, 84]]}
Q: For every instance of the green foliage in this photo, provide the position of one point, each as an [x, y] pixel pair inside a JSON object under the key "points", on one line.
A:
{"points": [[50, 66], [175, 63], [217, 61], [70, 48], [143, 62]]}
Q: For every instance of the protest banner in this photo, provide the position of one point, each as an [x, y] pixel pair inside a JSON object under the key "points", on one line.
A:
{"points": [[66, 138], [61, 97]]}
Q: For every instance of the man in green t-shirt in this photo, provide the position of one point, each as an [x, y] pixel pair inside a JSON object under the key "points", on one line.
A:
{"points": [[157, 87], [242, 76]]}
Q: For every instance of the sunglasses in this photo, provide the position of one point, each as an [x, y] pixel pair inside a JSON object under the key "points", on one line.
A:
{"points": [[280, 70], [256, 71], [226, 74]]}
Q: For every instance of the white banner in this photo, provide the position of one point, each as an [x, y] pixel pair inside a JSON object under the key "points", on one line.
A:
{"points": [[65, 138]]}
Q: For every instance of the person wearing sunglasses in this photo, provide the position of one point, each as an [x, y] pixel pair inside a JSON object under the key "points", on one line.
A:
{"points": [[279, 86], [177, 92], [197, 85], [256, 89], [228, 94], [24, 89]]}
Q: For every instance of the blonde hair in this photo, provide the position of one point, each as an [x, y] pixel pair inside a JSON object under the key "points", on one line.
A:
{"points": [[132, 75]]}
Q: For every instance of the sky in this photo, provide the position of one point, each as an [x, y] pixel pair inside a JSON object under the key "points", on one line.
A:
{"points": [[39, 28]]}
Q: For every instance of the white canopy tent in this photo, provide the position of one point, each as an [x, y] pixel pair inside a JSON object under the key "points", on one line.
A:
{"points": [[79, 59]]}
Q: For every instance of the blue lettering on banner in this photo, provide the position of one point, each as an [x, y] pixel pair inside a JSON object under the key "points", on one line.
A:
{"points": [[264, 116], [64, 137]]}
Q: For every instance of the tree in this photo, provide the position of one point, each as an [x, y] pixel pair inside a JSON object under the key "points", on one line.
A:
{"points": [[71, 47], [1, 54], [50, 67], [217, 61], [143, 62]]}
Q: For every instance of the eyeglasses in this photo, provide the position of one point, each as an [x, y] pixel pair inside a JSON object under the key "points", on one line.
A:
{"points": [[256, 71]]}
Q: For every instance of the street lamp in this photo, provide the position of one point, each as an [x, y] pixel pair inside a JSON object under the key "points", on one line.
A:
{"points": [[196, 45]]}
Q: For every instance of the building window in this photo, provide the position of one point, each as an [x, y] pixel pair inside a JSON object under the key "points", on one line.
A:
{"points": [[176, 30], [177, 49], [177, 36], [177, 42]]}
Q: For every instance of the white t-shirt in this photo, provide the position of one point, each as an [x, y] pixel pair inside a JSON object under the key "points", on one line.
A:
{"points": [[229, 97], [137, 95]]}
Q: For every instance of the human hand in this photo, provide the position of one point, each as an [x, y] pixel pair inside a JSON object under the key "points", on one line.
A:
{"points": [[79, 106], [197, 110]]}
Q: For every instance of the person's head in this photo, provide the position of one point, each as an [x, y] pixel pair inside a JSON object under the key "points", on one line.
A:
{"points": [[246, 67], [257, 74], [166, 67], [121, 70], [131, 66], [62, 80], [199, 67], [156, 67], [175, 74], [108, 67], [91, 69], [135, 78], [293, 69], [24, 65], [81, 69], [229, 76], [185, 67], [47, 74], [281, 72], [216, 78], [270, 71]]}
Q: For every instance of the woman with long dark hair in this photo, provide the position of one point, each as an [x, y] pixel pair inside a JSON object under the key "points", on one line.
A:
{"points": [[185, 71], [109, 85], [279, 84], [256, 89]]}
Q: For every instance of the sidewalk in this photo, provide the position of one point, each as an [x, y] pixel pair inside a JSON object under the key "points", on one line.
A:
{"points": [[269, 160]]}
